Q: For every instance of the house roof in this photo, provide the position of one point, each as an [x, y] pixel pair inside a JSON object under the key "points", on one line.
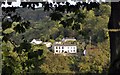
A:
{"points": [[37, 39], [69, 39], [64, 45]]}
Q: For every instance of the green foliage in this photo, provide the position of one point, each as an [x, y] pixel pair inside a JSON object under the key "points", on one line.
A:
{"points": [[60, 64], [8, 31], [56, 16], [96, 60], [82, 22], [104, 9], [20, 57]]}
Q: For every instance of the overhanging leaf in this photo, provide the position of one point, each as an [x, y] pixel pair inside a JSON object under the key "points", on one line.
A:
{"points": [[8, 31], [14, 24], [1, 37]]}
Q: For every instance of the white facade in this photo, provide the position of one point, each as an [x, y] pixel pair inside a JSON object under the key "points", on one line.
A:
{"points": [[48, 44], [34, 41], [65, 49], [58, 43]]}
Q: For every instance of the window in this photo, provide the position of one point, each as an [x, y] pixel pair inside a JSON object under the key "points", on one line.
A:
{"points": [[62, 50], [68, 47], [56, 50], [59, 47], [73, 50], [74, 47], [56, 47], [62, 47]]}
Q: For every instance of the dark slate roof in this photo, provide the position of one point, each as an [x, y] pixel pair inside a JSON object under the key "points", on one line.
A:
{"points": [[64, 45]]}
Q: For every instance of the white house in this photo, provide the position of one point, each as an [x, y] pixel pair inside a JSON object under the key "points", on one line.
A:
{"points": [[48, 44], [68, 39], [61, 48], [58, 42], [36, 41]]}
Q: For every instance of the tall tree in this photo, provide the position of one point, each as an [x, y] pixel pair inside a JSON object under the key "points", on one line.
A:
{"points": [[114, 33]]}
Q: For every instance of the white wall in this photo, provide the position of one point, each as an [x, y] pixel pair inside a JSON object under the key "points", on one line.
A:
{"points": [[68, 49]]}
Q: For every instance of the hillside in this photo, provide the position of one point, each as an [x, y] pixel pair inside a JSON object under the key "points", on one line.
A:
{"points": [[87, 27]]}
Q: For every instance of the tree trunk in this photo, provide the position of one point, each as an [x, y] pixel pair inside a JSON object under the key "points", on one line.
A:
{"points": [[114, 23]]}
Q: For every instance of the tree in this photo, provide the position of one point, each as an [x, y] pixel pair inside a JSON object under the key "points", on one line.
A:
{"points": [[114, 24], [17, 58], [96, 60], [60, 64]]}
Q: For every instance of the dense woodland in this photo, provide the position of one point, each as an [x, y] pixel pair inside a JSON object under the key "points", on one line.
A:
{"points": [[21, 57]]}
